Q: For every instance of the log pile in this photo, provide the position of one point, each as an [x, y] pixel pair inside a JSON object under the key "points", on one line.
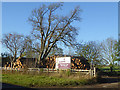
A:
{"points": [[76, 62], [21, 63], [50, 62], [79, 63], [8, 64], [17, 65]]}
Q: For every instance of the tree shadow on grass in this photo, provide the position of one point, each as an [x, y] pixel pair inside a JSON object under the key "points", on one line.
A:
{"points": [[6, 86], [110, 79]]}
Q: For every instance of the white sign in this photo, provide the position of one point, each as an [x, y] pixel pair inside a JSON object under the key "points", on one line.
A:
{"points": [[63, 63]]}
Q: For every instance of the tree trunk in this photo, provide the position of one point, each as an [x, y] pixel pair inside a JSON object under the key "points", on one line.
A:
{"points": [[36, 63], [111, 68], [41, 63]]}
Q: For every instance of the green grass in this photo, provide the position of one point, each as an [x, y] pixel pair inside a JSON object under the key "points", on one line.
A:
{"points": [[107, 69], [42, 80]]}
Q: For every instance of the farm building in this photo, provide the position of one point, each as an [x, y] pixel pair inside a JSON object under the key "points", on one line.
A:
{"points": [[56, 61]]}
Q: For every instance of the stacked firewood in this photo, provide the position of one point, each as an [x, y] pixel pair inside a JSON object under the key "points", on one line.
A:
{"points": [[76, 62], [17, 65], [50, 62], [79, 63], [7, 65]]}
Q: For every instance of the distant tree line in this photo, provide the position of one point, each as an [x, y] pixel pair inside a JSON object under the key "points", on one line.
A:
{"points": [[100, 53]]}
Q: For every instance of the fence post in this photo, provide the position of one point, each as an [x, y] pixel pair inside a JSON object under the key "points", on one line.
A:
{"points": [[94, 72], [57, 70], [48, 70], [38, 70], [90, 73]]}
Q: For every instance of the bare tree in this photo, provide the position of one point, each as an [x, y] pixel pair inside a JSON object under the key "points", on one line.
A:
{"points": [[16, 44], [56, 51], [91, 51], [118, 59], [31, 49], [109, 51], [49, 28]]}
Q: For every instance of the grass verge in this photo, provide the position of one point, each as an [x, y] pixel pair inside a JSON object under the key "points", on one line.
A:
{"points": [[28, 80]]}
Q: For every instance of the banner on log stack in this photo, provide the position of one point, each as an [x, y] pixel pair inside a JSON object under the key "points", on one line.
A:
{"points": [[63, 63]]}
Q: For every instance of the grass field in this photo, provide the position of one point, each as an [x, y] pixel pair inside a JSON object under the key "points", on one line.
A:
{"points": [[27, 80], [106, 71], [106, 68]]}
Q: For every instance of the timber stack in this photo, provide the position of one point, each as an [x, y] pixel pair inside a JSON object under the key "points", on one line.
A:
{"points": [[77, 62], [17, 65], [20, 63], [51, 62]]}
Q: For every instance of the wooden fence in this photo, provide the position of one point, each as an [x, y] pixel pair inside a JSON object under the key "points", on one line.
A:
{"points": [[91, 72]]}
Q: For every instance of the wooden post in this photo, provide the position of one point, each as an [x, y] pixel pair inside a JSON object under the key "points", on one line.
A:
{"points": [[48, 70], [11, 66], [38, 70], [90, 73], [94, 72], [57, 70]]}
